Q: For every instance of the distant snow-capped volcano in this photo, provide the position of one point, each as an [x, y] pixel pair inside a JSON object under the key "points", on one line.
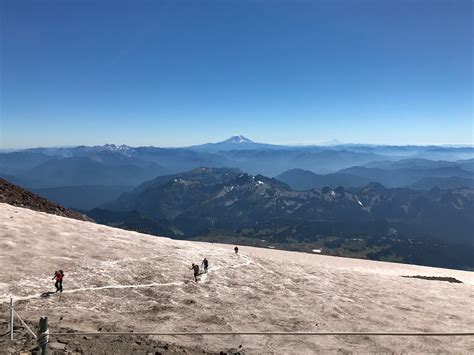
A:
{"points": [[236, 142], [332, 142], [238, 139]]}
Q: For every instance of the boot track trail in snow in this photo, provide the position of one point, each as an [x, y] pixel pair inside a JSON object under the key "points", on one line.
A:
{"points": [[202, 279]]}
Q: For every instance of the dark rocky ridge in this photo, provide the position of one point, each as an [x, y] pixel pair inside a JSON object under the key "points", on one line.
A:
{"points": [[435, 278], [209, 200], [19, 197]]}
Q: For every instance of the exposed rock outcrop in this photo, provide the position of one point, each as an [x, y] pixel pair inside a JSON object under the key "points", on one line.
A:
{"points": [[16, 196]]}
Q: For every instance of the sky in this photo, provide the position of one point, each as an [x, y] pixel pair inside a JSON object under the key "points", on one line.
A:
{"points": [[178, 73]]}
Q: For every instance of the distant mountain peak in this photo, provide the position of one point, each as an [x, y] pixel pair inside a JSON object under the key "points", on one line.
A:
{"points": [[236, 142], [114, 147], [332, 142], [238, 139]]}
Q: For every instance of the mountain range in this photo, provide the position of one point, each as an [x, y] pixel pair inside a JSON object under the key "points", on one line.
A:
{"points": [[210, 203], [430, 227], [421, 174], [86, 177]]}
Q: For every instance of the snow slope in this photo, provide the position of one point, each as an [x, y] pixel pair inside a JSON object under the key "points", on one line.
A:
{"points": [[121, 280]]}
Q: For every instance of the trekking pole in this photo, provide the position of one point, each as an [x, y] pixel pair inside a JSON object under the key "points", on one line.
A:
{"points": [[12, 318]]}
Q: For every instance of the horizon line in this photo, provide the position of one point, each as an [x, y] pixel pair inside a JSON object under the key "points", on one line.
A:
{"points": [[293, 145]]}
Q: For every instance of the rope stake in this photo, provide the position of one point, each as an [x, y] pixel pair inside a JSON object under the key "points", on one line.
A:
{"points": [[43, 335], [43, 338]]}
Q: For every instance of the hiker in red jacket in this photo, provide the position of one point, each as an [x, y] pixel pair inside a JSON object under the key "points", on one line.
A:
{"points": [[59, 275]]}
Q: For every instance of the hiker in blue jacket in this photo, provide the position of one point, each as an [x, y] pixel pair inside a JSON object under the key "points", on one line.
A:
{"points": [[205, 264]]}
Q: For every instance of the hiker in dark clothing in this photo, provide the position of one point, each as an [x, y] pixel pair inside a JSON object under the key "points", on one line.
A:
{"points": [[58, 275], [205, 264], [236, 249], [195, 268]]}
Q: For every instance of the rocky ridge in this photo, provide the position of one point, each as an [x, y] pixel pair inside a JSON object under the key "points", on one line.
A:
{"points": [[19, 197]]}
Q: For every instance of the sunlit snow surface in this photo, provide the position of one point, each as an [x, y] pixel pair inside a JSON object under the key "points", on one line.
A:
{"points": [[123, 280]]}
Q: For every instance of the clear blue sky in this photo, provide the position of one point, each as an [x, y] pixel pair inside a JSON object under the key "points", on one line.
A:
{"points": [[174, 73]]}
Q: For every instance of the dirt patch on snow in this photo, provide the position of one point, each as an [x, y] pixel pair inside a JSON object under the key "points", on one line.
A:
{"points": [[435, 278]]}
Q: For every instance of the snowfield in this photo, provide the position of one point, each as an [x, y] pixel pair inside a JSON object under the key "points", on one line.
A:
{"points": [[120, 280]]}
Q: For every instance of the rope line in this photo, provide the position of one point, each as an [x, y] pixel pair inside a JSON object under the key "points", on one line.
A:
{"points": [[436, 334], [22, 321], [24, 324], [43, 338]]}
